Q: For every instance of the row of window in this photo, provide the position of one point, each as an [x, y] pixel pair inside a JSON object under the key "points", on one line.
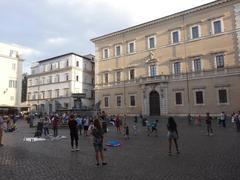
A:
{"points": [[199, 97], [119, 101], [56, 79], [195, 33], [59, 65], [48, 94], [12, 84], [152, 69], [197, 64], [56, 93]]}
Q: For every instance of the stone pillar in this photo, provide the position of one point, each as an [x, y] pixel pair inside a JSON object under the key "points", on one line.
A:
{"points": [[237, 26]]}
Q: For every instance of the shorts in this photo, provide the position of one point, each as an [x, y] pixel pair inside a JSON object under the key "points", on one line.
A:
{"points": [[98, 147], [172, 135], [86, 128]]}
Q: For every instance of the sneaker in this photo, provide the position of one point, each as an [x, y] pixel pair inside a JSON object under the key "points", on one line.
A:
{"points": [[72, 149], [77, 149], [104, 163], [178, 152], [211, 134], [97, 164], [169, 153]]}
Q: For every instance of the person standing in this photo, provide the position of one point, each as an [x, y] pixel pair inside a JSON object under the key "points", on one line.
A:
{"points": [[172, 135], [209, 124], [86, 125], [223, 118], [97, 134], [118, 124], [46, 126], [73, 126], [79, 122], [189, 117], [1, 130], [55, 125]]}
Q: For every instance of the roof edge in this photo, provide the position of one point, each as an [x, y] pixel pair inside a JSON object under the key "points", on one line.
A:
{"points": [[175, 15]]}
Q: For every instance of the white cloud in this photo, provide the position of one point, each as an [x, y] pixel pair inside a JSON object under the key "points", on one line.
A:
{"points": [[57, 41]]}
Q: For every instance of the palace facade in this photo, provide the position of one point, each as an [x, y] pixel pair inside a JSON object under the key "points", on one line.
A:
{"points": [[188, 62]]}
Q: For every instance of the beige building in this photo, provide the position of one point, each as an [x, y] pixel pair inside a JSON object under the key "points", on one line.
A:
{"points": [[188, 62]]}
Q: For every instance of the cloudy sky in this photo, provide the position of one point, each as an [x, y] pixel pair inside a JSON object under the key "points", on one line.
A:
{"points": [[47, 28]]}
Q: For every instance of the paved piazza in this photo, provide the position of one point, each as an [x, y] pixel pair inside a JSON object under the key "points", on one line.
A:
{"points": [[141, 157]]}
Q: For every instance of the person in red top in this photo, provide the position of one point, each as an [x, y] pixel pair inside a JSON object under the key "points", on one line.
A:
{"points": [[118, 123], [209, 124], [55, 121]]}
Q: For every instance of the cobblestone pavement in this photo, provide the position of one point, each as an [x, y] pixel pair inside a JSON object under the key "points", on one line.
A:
{"points": [[142, 157]]}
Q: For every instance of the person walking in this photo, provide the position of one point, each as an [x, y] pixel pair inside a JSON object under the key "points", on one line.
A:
{"points": [[189, 117], [223, 118], [86, 125], [97, 133], [1, 130], [209, 124], [172, 135], [73, 127]]}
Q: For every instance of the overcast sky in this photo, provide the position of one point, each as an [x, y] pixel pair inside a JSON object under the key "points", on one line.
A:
{"points": [[47, 28]]}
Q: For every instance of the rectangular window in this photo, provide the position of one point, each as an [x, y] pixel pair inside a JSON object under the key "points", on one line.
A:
{"points": [[177, 68], [76, 78], [217, 26], [197, 65], [132, 101], [117, 50], [199, 97], [131, 74], [77, 63], [195, 32], [50, 94], [57, 78], [106, 101], [178, 98], [222, 96], [49, 79], [67, 63], [118, 76], [105, 53], [106, 78], [66, 77], [131, 47], [43, 94], [66, 92], [152, 69], [119, 101], [151, 42], [57, 93], [220, 61], [12, 84], [13, 66], [175, 37]]}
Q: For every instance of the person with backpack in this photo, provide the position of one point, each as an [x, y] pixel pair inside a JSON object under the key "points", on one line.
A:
{"points": [[97, 133], [209, 124], [73, 127]]}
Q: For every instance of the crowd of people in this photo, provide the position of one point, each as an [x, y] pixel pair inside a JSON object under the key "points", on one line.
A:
{"points": [[96, 126]]}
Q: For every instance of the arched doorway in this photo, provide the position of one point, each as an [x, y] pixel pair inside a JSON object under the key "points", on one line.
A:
{"points": [[154, 103]]}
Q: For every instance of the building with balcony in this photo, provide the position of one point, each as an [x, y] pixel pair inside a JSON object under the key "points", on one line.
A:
{"points": [[188, 62], [10, 77], [63, 82]]}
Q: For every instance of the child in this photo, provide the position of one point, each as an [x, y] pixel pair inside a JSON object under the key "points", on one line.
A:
{"points": [[154, 127]]}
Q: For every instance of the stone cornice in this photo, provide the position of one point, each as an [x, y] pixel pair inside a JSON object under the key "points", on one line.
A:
{"points": [[186, 12]]}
